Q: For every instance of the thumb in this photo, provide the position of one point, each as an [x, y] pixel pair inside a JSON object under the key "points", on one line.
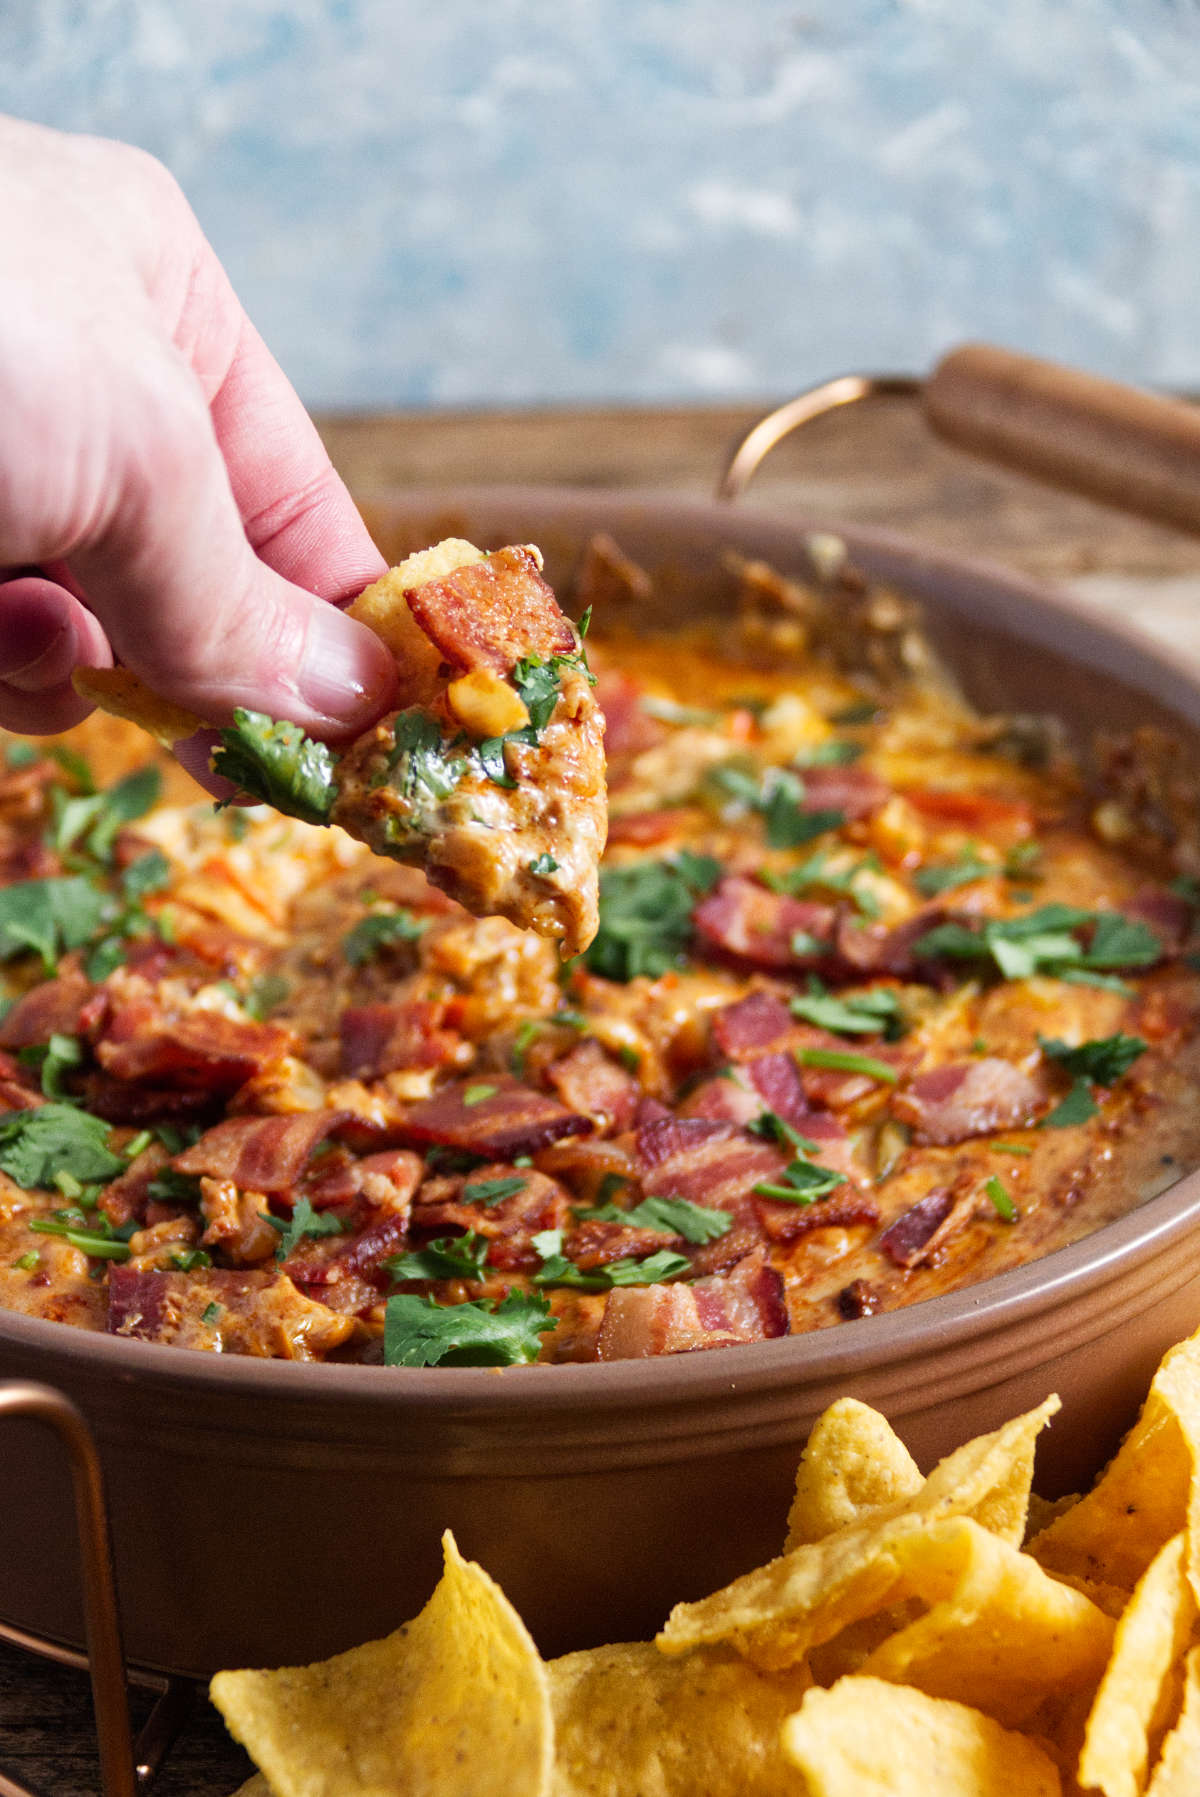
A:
{"points": [[183, 598]]}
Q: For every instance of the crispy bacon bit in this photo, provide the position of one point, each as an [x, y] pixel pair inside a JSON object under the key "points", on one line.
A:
{"points": [[51, 1009], [858, 1299], [494, 1115], [763, 929], [641, 1321], [593, 1084], [127, 1197], [139, 1041], [1166, 913], [851, 789], [251, 1311], [708, 1163], [379, 1038], [491, 613], [642, 829], [266, 1154], [973, 810], [967, 1098], [906, 1240], [843, 1209], [778, 1081], [627, 728], [331, 1259], [596, 1243], [758, 1024], [722, 1099], [510, 1223]]}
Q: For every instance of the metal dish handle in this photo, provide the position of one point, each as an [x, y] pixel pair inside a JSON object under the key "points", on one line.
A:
{"points": [[126, 1770], [1125, 447]]}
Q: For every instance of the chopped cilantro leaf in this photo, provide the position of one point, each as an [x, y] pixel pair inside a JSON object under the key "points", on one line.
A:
{"points": [[945, 876], [667, 711], [556, 1269], [802, 1181], [646, 915], [479, 1094], [276, 761], [491, 757], [379, 930], [36, 1144], [1076, 1107], [149, 873], [304, 1221], [1085, 976], [121, 804], [694, 1222], [109, 954], [49, 916], [815, 875], [835, 752], [1023, 860], [75, 765], [1119, 941], [543, 864], [1102, 1060], [188, 1260], [264, 994], [1002, 1202], [55, 1058], [418, 1332], [449, 1257], [1043, 942], [537, 683], [210, 1313], [863, 1014], [862, 712], [170, 1187], [20, 754], [493, 1191]]}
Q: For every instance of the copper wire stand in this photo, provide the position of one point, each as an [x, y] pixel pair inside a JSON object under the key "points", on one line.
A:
{"points": [[126, 1768]]}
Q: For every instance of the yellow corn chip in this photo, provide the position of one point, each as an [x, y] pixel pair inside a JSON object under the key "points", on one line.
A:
{"points": [[999, 1631], [1178, 1771], [853, 1464], [122, 694], [707, 1725], [865, 1738], [1151, 1636], [383, 608], [1142, 1498], [456, 1701], [775, 1614]]}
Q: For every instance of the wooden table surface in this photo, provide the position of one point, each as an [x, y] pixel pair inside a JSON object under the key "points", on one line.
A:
{"points": [[875, 465]]}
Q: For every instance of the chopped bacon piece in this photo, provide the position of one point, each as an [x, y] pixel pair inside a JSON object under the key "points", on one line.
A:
{"points": [[973, 810], [708, 1163], [140, 1041], [380, 1038], [510, 1223], [967, 1098], [250, 1311], [330, 1259], [595, 1243], [51, 1009], [722, 1099], [758, 1024], [642, 829], [590, 1082], [764, 929], [267, 1154], [130, 1102], [494, 1115], [844, 1208], [778, 1081], [585, 1162], [1168, 914], [853, 790], [858, 1299], [906, 1240], [127, 1197], [627, 728], [491, 613], [746, 1305]]}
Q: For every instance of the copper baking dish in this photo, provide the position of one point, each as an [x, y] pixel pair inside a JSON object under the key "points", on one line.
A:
{"points": [[266, 1511]]}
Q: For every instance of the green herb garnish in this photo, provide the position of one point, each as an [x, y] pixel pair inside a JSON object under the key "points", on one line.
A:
{"points": [[474, 1095], [1043, 942], [380, 930], [449, 1257], [864, 1014], [843, 1062], [304, 1221], [543, 864], [1077, 1107], [1003, 1204], [1102, 1060], [946, 876], [694, 1222], [646, 915], [275, 761], [36, 1144], [493, 1191], [418, 1332]]}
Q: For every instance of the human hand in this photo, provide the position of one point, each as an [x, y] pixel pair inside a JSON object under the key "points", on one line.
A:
{"points": [[163, 494]]}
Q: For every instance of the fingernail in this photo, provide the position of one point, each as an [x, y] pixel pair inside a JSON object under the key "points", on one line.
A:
{"points": [[347, 675]]}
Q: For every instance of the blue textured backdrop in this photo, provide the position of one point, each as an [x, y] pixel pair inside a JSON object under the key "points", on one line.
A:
{"points": [[505, 200]]}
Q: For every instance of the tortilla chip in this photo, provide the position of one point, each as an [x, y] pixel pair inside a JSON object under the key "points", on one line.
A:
{"points": [[628, 1720], [1143, 1497], [998, 1632], [456, 1700], [865, 1738], [853, 1464], [383, 608], [1175, 1775], [1136, 1690], [775, 1614], [123, 695], [254, 1787]]}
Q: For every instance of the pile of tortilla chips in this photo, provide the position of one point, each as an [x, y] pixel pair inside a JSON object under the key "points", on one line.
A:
{"points": [[905, 1642]]}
